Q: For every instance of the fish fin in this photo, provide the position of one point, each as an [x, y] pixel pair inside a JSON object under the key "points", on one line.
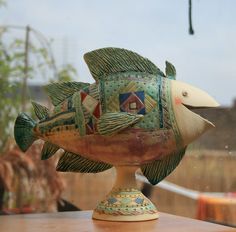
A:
{"points": [[159, 169], [170, 71], [106, 61], [40, 111], [70, 162], [23, 131], [48, 150], [111, 123], [58, 92]]}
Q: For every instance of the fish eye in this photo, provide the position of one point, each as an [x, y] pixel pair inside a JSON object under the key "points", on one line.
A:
{"points": [[185, 93]]}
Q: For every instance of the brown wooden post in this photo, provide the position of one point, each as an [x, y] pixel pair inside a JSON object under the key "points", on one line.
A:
{"points": [[26, 65]]}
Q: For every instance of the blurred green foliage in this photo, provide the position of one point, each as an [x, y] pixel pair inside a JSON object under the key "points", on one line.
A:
{"points": [[2, 3], [12, 67], [66, 73]]}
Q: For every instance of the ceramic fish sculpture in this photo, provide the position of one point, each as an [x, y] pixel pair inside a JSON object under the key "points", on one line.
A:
{"points": [[133, 116]]}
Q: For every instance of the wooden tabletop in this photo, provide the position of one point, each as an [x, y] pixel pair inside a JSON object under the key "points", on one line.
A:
{"points": [[81, 221]]}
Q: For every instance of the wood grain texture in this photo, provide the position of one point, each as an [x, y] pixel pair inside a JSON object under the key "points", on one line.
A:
{"points": [[81, 222]]}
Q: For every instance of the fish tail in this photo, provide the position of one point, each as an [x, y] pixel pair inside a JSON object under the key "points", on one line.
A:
{"points": [[23, 131]]}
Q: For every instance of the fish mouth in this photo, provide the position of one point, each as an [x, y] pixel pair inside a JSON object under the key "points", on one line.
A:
{"points": [[200, 110]]}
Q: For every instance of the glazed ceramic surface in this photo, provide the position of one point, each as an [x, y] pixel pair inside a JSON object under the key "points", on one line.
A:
{"points": [[134, 115]]}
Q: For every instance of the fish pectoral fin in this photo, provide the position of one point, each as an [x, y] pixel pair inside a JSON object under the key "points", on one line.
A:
{"points": [[159, 169], [170, 71], [111, 123], [48, 150], [58, 92], [71, 162], [40, 111]]}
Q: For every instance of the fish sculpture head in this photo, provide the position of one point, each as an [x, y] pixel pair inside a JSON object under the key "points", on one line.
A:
{"points": [[186, 98]]}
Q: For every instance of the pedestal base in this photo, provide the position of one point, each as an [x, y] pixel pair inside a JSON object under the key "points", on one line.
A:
{"points": [[127, 204]]}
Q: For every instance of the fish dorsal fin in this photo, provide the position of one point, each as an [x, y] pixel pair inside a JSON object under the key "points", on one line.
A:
{"points": [[106, 61], [159, 169], [70, 162], [170, 71], [40, 111], [111, 123], [58, 92], [48, 150]]}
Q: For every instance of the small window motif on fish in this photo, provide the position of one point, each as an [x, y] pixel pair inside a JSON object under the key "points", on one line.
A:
{"points": [[133, 106], [132, 102]]}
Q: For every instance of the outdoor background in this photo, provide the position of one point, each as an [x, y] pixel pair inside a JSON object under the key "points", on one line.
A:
{"points": [[155, 29]]}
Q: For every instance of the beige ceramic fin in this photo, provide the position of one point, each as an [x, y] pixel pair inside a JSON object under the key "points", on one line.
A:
{"points": [[70, 162], [40, 111], [111, 123], [58, 92], [106, 61], [159, 169], [170, 71], [48, 150]]}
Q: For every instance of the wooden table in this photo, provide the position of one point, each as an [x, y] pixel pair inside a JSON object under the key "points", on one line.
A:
{"points": [[81, 222]]}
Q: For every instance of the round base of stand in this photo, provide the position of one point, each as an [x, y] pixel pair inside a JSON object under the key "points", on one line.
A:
{"points": [[125, 205]]}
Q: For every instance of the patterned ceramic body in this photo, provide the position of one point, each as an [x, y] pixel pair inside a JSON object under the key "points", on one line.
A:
{"points": [[133, 116], [151, 138]]}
